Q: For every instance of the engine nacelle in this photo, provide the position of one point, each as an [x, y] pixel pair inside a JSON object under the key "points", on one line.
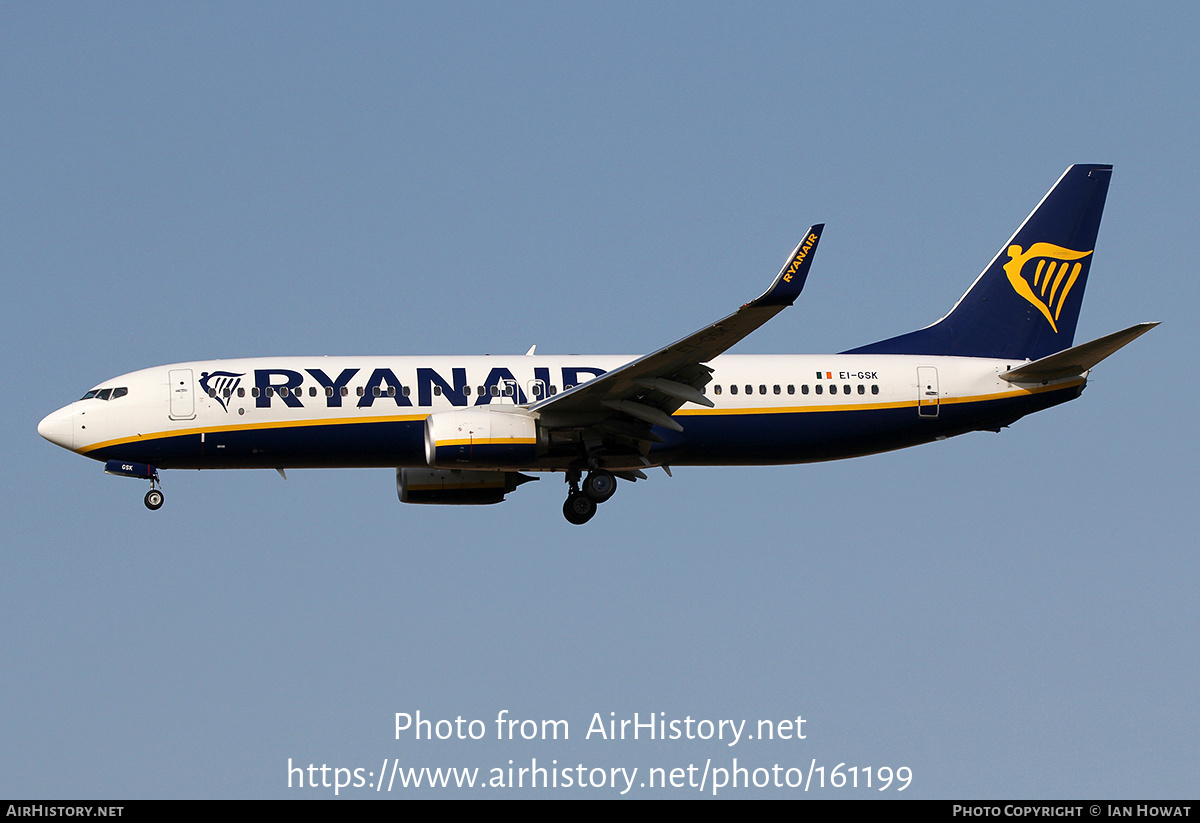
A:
{"points": [[456, 488], [480, 438]]}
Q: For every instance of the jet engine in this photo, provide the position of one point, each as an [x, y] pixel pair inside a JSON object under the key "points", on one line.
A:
{"points": [[481, 438], [454, 487]]}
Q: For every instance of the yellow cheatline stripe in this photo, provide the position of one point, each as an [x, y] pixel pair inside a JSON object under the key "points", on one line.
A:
{"points": [[839, 407], [276, 424], [503, 441]]}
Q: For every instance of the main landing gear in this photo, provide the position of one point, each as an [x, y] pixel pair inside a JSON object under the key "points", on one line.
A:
{"points": [[598, 486]]}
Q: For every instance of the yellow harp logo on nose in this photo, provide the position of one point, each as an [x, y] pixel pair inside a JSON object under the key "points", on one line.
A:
{"points": [[1053, 276]]}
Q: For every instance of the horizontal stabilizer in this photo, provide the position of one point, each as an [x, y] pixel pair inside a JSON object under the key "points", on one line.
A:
{"points": [[1075, 360]]}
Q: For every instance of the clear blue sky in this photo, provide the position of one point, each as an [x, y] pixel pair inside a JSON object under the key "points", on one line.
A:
{"points": [[1009, 615]]}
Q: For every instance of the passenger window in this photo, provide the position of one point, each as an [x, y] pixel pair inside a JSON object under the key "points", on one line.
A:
{"points": [[553, 390], [391, 391], [375, 390], [269, 391], [283, 391], [495, 391], [361, 392], [777, 389], [254, 392], [212, 391], [241, 392], [329, 390], [862, 389], [407, 390], [312, 391], [346, 392], [846, 389], [832, 388], [226, 392], [466, 391], [792, 388], [762, 389], [818, 388], [733, 389], [874, 389], [716, 389], [749, 389]]}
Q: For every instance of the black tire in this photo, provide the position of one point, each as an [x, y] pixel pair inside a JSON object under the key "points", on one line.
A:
{"points": [[579, 508], [154, 500], [600, 485]]}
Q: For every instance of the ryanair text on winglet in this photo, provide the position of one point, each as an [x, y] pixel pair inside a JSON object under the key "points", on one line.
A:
{"points": [[798, 260]]}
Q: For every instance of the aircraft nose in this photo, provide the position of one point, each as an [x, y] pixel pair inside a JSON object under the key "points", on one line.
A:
{"points": [[58, 428]]}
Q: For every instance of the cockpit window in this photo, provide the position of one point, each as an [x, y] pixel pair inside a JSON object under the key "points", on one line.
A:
{"points": [[106, 394]]}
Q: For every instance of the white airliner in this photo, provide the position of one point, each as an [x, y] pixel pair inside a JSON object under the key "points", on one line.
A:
{"points": [[463, 430]]}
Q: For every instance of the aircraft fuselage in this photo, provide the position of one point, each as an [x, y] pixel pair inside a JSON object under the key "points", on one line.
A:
{"points": [[330, 412]]}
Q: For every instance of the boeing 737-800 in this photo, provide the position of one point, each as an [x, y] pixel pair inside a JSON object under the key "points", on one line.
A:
{"points": [[464, 430]]}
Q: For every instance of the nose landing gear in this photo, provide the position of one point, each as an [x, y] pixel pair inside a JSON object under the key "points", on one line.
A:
{"points": [[598, 486], [142, 471], [154, 499]]}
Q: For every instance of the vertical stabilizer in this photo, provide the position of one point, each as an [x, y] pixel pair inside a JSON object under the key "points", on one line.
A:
{"points": [[1026, 303]]}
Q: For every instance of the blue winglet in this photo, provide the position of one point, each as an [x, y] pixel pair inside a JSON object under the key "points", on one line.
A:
{"points": [[790, 282]]}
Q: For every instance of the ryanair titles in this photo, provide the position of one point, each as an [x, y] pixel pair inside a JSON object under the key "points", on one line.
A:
{"points": [[294, 389], [798, 259]]}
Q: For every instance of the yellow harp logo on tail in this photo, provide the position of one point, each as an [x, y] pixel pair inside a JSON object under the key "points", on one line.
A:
{"points": [[1053, 276]]}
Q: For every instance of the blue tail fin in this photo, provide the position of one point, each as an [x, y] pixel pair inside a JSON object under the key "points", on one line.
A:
{"points": [[1026, 302]]}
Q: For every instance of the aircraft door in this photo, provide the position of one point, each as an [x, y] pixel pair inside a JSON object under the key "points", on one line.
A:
{"points": [[183, 397], [927, 391]]}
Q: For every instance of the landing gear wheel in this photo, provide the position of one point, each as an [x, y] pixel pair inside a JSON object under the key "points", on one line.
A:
{"points": [[579, 508], [154, 500], [600, 485]]}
